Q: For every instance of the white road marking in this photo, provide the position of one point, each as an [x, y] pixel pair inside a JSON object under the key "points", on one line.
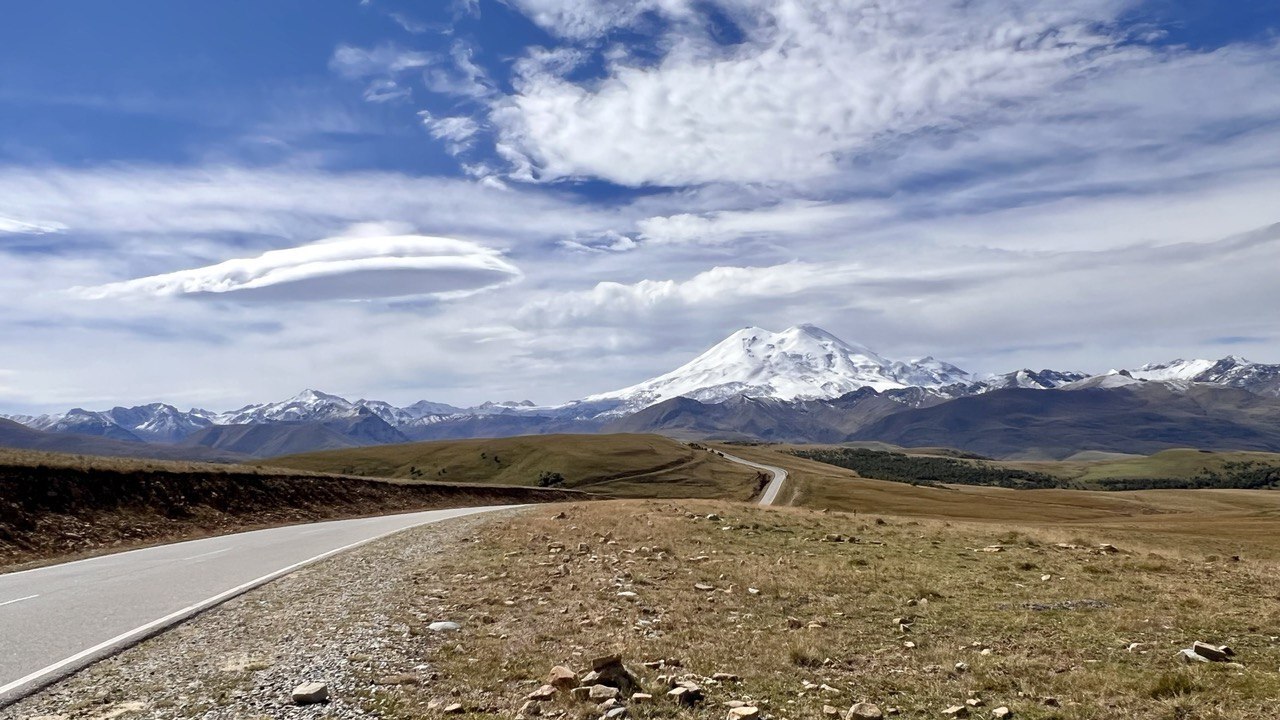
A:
{"points": [[10, 602], [215, 552]]}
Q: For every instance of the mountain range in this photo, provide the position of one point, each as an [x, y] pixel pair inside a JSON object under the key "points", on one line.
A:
{"points": [[799, 385]]}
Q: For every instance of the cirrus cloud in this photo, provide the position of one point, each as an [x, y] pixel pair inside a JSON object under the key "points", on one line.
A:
{"points": [[354, 267]]}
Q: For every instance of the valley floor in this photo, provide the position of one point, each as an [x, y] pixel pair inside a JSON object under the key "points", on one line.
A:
{"points": [[808, 610]]}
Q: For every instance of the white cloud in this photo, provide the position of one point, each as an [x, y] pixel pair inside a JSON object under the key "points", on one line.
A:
{"points": [[814, 84], [385, 90], [458, 132], [354, 62], [794, 218], [147, 205], [461, 77], [24, 227], [584, 19], [354, 267]]}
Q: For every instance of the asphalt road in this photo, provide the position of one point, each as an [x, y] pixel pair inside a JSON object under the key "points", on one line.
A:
{"points": [[58, 619], [771, 490]]}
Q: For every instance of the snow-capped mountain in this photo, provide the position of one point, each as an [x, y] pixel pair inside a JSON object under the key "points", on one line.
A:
{"points": [[1029, 380], [800, 363], [1230, 371], [802, 377]]}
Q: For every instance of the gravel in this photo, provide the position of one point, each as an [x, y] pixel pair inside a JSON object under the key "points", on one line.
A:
{"points": [[337, 622]]}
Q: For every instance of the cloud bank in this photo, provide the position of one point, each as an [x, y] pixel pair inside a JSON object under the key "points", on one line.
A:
{"points": [[342, 268]]}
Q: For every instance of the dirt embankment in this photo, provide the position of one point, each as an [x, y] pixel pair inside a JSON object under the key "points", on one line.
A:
{"points": [[50, 512]]}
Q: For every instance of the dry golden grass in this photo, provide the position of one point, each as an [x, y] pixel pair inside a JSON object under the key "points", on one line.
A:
{"points": [[1230, 521], [619, 465], [543, 589]]}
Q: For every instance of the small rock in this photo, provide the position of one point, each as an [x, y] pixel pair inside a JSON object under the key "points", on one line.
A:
{"points": [[562, 677], [830, 711], [641, 697], [546, 692], [444, 626], [974, 702], [530, 709], [310, 693], [958, 711], [687, 695], [864, 711], [725, 677], [962, 667], [602, 692], [1002, 713], [1191, 656], [1212, 653], [1108, 548], [703, 587], [605, 661], [746, 712], [993, 549], [618, 712], [753, 591], [454, 709]]}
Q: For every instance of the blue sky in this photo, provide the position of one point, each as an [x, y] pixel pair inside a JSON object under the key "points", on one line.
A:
{"points": [[216, 203]]}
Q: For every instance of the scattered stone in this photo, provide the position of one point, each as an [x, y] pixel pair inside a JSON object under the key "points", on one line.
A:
{"points": [[828, 689], [562, 678], [530, 709], [453, 709], [725, 677], [609, 670], [618, 712], [444, 626], [1108, 548], [641, 697], [864, 711], [962, 667], [974, 702], [687, 694], [1191, 656], [628, 595], [830, 711], [1212, 653], [310, 693], [909, 645], [746, 712], [753, 591], [546, 692], [958, 711], [993, 549], [703, 587], [1046, 578], [602, 692], [1002, 713]]}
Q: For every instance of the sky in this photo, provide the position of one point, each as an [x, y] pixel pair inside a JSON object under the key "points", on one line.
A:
{"points": [[211, 204]]}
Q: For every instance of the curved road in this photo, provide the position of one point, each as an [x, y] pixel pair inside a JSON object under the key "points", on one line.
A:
{"points": [[56, 620], [771, 490]]}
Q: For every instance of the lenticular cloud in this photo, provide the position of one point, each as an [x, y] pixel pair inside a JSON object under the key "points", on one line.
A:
{"points": [[344, 268]]}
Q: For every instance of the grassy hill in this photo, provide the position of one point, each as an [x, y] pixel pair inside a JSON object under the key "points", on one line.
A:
{"points": [[619, 465], [55, 506]]}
